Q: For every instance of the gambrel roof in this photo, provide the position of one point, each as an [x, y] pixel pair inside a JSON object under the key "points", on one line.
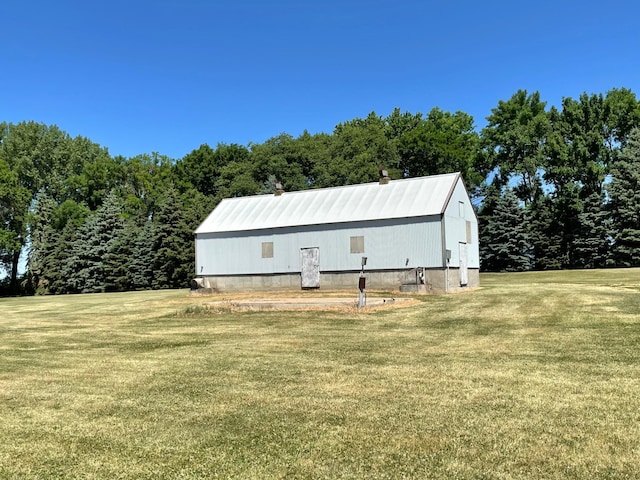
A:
{"points": [[406, 198]]}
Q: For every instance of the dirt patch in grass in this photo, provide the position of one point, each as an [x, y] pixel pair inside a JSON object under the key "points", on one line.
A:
{"points": [[311, 303]]}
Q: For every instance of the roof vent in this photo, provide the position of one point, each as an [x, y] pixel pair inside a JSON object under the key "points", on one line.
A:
{"points": [[384, 177], [279, 189]]}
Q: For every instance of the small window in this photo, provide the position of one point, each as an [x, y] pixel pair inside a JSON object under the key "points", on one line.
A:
{"points": [[357, 244], [461, 209], [267, 249], [469, 232]]}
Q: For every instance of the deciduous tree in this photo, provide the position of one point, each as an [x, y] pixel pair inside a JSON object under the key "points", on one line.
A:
{"points": [[514, 138], [30, 162], [441, 143]]}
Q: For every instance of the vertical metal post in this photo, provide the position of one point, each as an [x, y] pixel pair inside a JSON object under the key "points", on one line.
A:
{"points": [[362, 285], [446, 287]]}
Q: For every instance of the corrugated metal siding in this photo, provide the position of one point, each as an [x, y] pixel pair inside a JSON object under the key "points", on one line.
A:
{"points": [[456, 228], [388, 244], [408, 198]]}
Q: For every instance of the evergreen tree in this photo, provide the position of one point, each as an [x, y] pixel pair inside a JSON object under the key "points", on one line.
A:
{"points": [[58, 267], [624, 192], [93, 248], [41, 236], [118, 259], [567, 207], [545, 234], [140, 270], [593, 241], [504, 240], [195, 207], [80, 266], [61, 233], [168, 271]]}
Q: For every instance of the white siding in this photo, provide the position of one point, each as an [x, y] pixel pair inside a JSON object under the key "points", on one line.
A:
{"points": [[456, 227], [388, 244]]}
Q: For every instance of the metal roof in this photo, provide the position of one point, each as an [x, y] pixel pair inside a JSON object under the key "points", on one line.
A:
{"points": [[411, 197]]}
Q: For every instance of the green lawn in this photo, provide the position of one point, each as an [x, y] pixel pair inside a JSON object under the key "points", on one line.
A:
{"points": [[534, 375]]}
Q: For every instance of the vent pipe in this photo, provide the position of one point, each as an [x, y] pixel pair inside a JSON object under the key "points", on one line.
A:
{"points": [[384, 177]]}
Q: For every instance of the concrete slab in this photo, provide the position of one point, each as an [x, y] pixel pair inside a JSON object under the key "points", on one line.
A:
{"points": [[306, 302]]}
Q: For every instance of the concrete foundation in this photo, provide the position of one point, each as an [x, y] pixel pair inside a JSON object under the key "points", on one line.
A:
{"points": [[429, 281]]}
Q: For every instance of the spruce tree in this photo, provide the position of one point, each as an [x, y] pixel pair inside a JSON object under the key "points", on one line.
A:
{"points": [[117, 260], [545, 234], [168, 243], [62, 232], [195, 207], [80, 267], [504, 240], [567, 207], [58, 264], [140, 270], [41, 236], [592, 242], [92, 252], [624, 192]]}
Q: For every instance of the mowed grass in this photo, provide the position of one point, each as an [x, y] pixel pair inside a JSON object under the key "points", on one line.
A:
{"points": [[534, 375]]}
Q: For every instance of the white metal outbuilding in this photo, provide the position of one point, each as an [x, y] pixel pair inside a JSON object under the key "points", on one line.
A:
{"points": [[418, 231]]}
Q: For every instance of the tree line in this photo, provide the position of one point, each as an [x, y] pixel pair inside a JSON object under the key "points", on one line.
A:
{"points": [[564, 186], [554, 188]]}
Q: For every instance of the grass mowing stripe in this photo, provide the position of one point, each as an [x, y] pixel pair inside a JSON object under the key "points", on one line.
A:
{"points": [[533, 376]]}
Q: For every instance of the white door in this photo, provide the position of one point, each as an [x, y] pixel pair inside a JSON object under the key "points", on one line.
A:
{"points": [[310, 267], [464, 272]]}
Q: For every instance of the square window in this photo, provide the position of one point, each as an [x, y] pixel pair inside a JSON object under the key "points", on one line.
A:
{"points": [[267, 249], [356, 244]]}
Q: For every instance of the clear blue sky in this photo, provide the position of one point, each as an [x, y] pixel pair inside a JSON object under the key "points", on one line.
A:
{"points": [[142, 76]]}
